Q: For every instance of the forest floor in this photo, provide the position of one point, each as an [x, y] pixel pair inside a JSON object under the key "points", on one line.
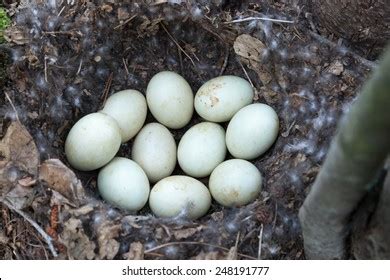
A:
{"points": [[64, 62]]}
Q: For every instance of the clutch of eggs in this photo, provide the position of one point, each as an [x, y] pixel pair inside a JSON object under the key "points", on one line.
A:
{"points": [[94, 141]]}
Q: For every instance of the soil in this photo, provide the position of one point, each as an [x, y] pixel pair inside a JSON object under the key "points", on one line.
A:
{"points": [[65, 62]]}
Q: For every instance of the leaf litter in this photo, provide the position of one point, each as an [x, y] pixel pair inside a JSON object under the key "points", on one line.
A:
{"points": [[55, 78]]}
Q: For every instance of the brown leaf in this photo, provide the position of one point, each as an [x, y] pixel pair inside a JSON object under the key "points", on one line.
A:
{"points": [[336, 68], [187, 232], [61, 179], [78, 245], [251, 49], [18, 147], [20, 197], [16, 35], [123, 14], [136, 251], [108, 246], [19, 161]]}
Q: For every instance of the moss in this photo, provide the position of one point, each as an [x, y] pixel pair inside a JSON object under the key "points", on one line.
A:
{"points": [[5, 21]]}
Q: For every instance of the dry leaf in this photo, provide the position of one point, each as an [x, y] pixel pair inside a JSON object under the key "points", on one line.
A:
{"points": [[84, 210], [108, 246], [20, 197], [18, 147], [270, 96], [123, 14], [336, 68], [61, 179], [19, 161], [16, 35], [251, 49], [187, 232], [78, 244], [136, 251]]}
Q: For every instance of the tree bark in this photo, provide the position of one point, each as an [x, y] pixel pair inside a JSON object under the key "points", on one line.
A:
{"points": [[356, 155], [360, 21], [372, 241]]}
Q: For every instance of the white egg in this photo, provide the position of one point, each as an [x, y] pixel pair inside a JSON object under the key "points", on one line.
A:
{"points": [[170, 99], [128, 108], [252, 131], [235, 182], [179, 195], [124, 184], [92, 142], [154, 149], [220, 98], [201, 149]]}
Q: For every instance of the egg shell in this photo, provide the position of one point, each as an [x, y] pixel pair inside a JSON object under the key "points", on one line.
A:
{"points": [[154, 149], [92, 142], [252, 131], [124, 184], [179, 195], [201, 149], [220, 98], [170, 99], [129, 109], [235, 182]]}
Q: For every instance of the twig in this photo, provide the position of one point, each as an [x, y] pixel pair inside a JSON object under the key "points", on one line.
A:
{"points": [[13, 106], [45, 68], [362, 60], [124, 63], [45, 236], [107, 88], [61, 11], [225, 61], [180, 60], [196, 243], [177, 44], [125, 22], [260, 242], [258, 18], [80, 65], [246, 74]]}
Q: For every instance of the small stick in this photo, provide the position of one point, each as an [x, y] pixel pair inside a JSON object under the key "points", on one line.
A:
{"points": [[124, 63], [45, 69], [177, 44], [258, 18], [125, 22], [107, 88], [225, 62], [80, 65], [45, 236], [260, 242], [246, 73], [61, 11], [13, 106], [196, 243], [180, 60]]}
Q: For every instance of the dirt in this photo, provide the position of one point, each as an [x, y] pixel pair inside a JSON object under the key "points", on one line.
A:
{"points": [[73, 61]]}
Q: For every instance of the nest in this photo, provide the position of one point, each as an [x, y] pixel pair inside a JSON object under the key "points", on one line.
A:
{"points": [[68, 58]]}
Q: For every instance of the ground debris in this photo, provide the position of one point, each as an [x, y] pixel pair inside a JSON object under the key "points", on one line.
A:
{"points": [[136, 251], [252, 50], [60, 178], [107, 232], [18, 166], [77, 243]]}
